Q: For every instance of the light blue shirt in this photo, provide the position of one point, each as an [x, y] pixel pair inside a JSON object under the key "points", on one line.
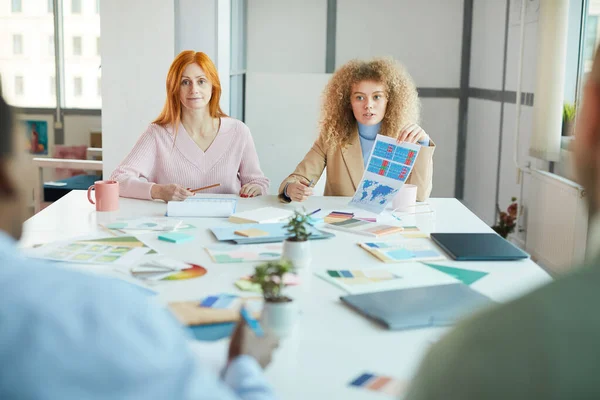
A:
{"points": [[367, 135], [69, 335]]}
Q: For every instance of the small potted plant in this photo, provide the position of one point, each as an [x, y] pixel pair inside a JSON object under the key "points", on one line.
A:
{"points": [[296, 247], [507, 220], [279, 311], [568, 119]]}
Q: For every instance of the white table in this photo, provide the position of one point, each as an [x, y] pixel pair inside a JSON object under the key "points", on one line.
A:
{"points": [[331, 344]]}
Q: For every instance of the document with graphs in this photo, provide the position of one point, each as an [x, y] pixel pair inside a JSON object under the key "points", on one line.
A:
{"points": [[388, 168]]}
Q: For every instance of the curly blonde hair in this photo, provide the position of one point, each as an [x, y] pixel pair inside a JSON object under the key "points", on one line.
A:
{"points": [[337, 119]]}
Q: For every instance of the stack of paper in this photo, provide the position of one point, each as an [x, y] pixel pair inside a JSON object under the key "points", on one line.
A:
{"points": [[386, 277], [368, 228]]}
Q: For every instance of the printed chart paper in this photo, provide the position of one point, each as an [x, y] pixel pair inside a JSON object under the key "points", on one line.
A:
{"points": [[92, 252], [388, 168]]}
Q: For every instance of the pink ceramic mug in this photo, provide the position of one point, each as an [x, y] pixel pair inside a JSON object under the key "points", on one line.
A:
{"points": [[107, 195]]}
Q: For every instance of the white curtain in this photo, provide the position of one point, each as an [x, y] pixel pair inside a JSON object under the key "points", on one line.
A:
{"points": [[550, 79]]}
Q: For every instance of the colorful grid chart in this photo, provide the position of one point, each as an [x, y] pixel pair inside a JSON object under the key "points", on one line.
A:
{"points": [[384, 150], [379, 383], [398, 172], [404, 156], [378, 166], [388, 169], [361, 277], [395, 153]]}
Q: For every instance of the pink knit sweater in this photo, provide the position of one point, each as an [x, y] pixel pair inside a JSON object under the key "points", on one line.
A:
{"points": [[231, 160]]}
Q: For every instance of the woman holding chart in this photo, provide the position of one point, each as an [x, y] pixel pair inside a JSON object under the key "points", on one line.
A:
{"points": [[192, 144], [361, 100]]}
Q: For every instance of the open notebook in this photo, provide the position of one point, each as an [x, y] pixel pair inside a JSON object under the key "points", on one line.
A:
{"points": [[261, 216], [202, 207]]}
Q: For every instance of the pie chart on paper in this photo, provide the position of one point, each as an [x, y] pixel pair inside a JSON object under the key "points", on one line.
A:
{"points": [[195, 271]]}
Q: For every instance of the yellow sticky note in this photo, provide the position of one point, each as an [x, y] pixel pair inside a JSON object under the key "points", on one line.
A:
{"points": [[252, 232]]}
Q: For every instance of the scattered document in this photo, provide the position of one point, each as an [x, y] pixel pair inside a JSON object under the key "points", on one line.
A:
{"points": [[403, 250], [363, 227], [231, 253], [386, 277], [101, 251], [146, 225]]}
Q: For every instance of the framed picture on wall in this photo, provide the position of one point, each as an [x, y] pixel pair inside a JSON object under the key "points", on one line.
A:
{"points": [[38, 132]]}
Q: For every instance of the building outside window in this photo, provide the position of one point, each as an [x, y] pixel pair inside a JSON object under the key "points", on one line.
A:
{"points": [[77, 86], [17, 44], [16, 6], [19, 86]]}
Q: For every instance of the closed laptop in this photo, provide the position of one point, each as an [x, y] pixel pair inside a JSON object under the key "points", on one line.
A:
{"points": [[478, 247], [420, 307]]}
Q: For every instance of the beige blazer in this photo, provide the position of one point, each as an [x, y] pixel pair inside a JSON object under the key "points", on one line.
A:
{"points": [[345, 168]]}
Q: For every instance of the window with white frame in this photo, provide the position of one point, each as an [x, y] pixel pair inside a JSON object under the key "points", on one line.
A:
{"points": [[17, 44], [30, 59], [77, 45], [77, 86], [75, 6], [237, 76], [51, 45], [16, 6], [19, 86]]}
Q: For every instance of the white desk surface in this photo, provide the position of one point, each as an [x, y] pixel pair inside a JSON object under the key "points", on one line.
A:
{"points": [[331, 344]]}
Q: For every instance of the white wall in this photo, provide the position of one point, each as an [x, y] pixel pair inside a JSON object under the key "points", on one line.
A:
{"points": [[77, 128], [196, 20], [483, 133], [137, 50], [286, 44], [487, 44], [418, 33], [482, 158], [440, 119], [287, 36], [284, 130]]}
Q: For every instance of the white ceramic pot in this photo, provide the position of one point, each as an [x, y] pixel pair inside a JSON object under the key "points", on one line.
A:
{"points": [[280, 317], [297, 252]]}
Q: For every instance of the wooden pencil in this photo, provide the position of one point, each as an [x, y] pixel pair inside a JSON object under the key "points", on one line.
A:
{"points": [[205, 187]]}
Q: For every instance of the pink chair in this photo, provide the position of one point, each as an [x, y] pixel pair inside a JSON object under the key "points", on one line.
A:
{"points": [[69, 152]]}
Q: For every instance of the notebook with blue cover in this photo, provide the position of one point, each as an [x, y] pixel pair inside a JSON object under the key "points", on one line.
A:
{"points": [[421, 307], [478, 247], [276, 232]]}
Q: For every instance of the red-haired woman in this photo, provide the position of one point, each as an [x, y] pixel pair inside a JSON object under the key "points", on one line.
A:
{"points": [[192, 143]]}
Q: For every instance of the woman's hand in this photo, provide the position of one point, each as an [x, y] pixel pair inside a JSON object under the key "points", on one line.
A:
{"points": [[171, 192], [299, 191], [250, 190], [412, 133], [245, 342]]}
